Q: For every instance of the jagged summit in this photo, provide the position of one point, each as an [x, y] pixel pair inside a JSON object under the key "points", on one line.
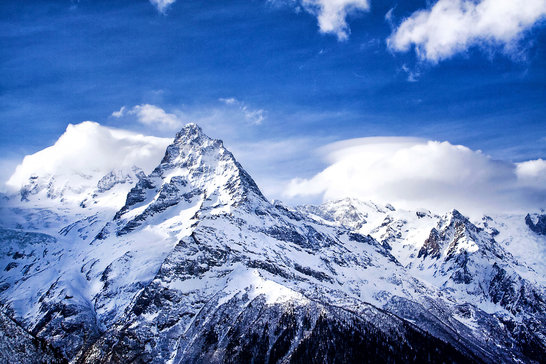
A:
{"points": [[454, 217], [196, 170], [207, 164], [453, 235], [454, 214], [190, 131]]}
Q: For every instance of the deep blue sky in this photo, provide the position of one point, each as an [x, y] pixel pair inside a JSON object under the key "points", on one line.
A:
{"points": [[68, 61]]}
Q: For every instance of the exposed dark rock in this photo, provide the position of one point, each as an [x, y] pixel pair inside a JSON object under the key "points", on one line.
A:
{"points": [[321, 276], [19, 346], [431, 247], [10, 266], [536, 224], [292, 332]]}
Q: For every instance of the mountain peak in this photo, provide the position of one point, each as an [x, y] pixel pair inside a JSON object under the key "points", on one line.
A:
{"points": [[196, 170], [197, 264], [190, 132], [454, 214], [453, 234]]}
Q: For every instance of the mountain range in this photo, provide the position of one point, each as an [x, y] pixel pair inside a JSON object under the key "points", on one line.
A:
{"points": [[186, 261]]}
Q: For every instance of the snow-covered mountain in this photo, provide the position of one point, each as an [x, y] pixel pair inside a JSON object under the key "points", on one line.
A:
{"points": [[194, 264]]}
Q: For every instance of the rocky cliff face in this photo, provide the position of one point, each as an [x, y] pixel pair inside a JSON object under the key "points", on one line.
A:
{"points": [[536, 223], [196, 265], [469, 258], [18, 345]]}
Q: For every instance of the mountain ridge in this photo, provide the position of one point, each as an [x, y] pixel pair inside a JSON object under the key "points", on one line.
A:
{"points": [[196, 254]]}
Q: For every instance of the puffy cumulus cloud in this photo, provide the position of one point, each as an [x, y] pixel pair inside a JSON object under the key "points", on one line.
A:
{"points": [[88, 151], [414, 173], [452, 26], [532, 173], [162, 5], [253, 116], [151, 115], [332, 14]]}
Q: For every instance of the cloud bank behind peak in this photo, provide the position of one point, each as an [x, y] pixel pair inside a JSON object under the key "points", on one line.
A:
{"points": [[416, 173]]}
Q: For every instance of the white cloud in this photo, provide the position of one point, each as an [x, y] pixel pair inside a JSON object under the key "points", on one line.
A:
{"points": [[532, 173], [219, 117], [413, 75], [411, 173], [253, 116], [86, 152], [453, 26], [162, 5], [256, 117], [228, 101], [332, 14], [272, 163], [152, 115], [118, 114], [7, 166]]}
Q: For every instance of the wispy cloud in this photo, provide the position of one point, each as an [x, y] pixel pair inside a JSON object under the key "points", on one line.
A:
{"points": [[453, 26], [218, 117], [411, 172], [151, 115], [119, 113], [162, 5], [253, 116], [413, 74]]}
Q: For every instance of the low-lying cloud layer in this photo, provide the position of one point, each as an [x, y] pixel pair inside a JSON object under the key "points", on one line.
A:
{"points": [[453, 26], [415, 173]]}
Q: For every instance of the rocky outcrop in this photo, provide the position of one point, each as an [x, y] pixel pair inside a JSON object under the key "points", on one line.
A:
{"points": [[536, 223], [467, 255], [431, 247], [19, 346]]}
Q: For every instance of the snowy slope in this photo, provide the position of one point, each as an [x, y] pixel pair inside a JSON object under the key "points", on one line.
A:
{"points": [[194, 264]]}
